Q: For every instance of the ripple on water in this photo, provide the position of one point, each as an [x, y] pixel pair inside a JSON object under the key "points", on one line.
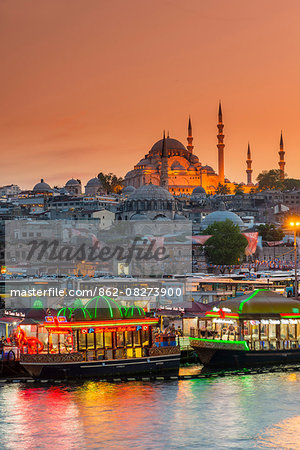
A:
{"points": [[232, 412]]}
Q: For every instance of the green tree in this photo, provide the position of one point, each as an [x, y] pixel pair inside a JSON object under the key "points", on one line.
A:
{"points": [[269, 232], [291, 183], [226, 245], [239, 189], [222, 189], [111, 182], [269, 179]]}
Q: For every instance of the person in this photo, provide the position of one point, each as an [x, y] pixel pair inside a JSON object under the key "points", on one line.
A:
{"points": [[172, 329]]}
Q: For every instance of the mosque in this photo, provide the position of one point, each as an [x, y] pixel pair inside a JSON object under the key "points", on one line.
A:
{"points": [[173, 166]]}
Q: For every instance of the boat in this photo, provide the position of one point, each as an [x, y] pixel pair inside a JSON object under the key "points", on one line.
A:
{"points": [[254, 330], [101, 340]]}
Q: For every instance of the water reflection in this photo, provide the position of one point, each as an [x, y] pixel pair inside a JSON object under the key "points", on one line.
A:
{"points": [[230, 412], [282, 435]]}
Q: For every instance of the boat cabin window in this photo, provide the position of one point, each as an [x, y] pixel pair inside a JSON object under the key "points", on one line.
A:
{"points": [[120, 338], [99, 340], [108, 339], [136, 338], [128, 338]]}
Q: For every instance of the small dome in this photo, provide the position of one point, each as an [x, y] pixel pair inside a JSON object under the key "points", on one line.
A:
{"points": [[38, 304], [81, 314], [145, 163], [134, 312], [191, 167], [128, 190], [177, 166], [178, 216], [72, 182], [221, 216], [94, 182], [171, 144], [138, 216], [161, 217], [151, 192], [208, 169], [42, 187], [194, 159], [103, 308], [65, 312], [199, 190]]}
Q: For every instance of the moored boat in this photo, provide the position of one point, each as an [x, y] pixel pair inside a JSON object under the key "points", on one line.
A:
{"points": [[102, 340], [257, 329]]}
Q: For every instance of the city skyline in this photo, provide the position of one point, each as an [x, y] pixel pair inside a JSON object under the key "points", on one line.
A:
{"points": [[91, 89]]}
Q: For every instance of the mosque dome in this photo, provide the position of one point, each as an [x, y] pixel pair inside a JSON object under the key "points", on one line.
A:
{"points": [[145, 163], [194, 159], [151, 192], [104, 308], [42, 187], [208, 169], [199, 190], [72, 182], [170, 144], [94, 182], [128, 190], [221, 216], [177, 166], [191, 167]]}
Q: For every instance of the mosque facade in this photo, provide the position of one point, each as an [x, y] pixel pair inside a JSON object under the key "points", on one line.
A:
{"points": [[174, 166]]}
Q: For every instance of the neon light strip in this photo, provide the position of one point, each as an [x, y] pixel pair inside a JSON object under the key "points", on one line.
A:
{"points": [[229, 315], [220, 341], [290, 316], [249, 298], [104, 324]]}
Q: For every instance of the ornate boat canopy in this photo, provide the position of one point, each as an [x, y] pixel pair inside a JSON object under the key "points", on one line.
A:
{"points": [[261, 302]]}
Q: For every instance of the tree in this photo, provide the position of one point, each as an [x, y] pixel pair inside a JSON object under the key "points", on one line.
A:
{"points": [[110, 182], [291, 183], [269, 232], [222, 189], [239, 189], [226, 245], [269, 179]]}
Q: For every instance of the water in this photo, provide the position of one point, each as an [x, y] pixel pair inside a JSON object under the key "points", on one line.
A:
{"points": [[251, 411]]}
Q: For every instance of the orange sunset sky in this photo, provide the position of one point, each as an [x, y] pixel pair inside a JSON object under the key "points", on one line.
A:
{"points": [[89, 85]]}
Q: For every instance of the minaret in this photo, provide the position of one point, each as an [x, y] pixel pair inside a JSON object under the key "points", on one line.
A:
{"points": [[164, 182], [190, 137], [281, 162], [249, 166], [220, 145]]}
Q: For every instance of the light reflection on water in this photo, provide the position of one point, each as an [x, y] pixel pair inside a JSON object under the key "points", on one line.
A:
{"points": [[261, 411]]}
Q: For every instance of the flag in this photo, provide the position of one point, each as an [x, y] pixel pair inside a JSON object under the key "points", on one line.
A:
{"points": [[252, 239], [201, 239]]}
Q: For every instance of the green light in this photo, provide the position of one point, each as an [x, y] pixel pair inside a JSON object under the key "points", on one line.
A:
{"points": [[118, 306], [65, 312], [249, 298], [110, 308], [220, 341], [38, 304]]}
